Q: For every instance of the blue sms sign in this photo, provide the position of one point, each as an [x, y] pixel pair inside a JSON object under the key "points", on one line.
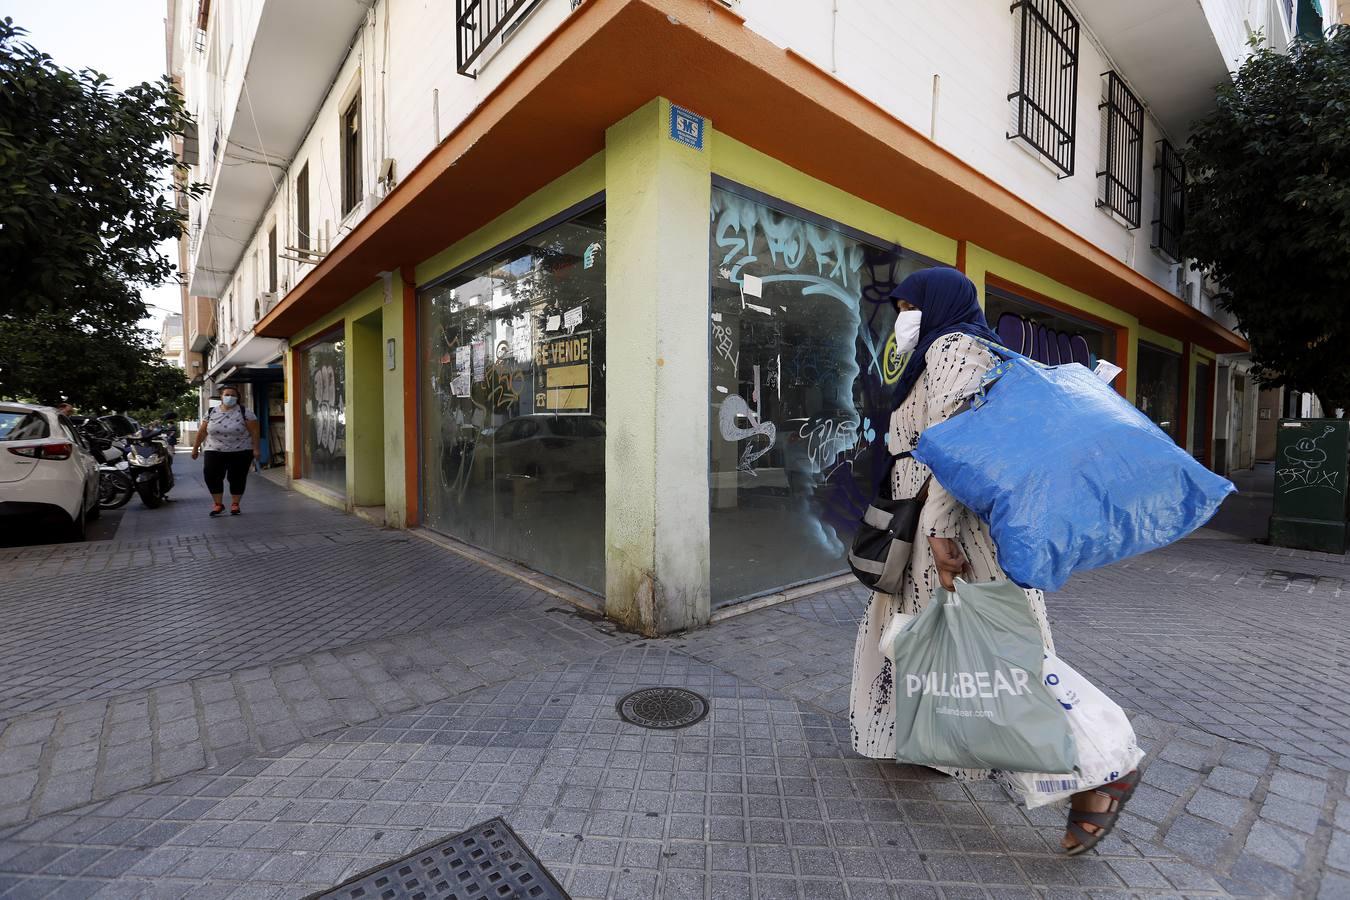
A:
{"points": [[686, 127]]}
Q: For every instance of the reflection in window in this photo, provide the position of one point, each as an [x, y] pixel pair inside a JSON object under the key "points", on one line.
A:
{"points": [[803, 367], [1158, 389], [325, 414], [1046, 335], [513, 402], [1204, 412]]}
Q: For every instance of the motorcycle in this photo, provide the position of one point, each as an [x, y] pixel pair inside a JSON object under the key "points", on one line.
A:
{"points": [[115, 487], [151, 465]]}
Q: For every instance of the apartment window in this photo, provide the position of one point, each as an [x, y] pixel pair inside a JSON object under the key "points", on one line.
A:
{"points": [[1120, 179], [351, 155], [302, 208], [1044, 105], [272, 259], [1169, 201]]}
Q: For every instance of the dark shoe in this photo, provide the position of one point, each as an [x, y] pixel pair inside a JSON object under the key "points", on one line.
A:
{"points": [[234, 509], [216, 510], [1119, 793]]}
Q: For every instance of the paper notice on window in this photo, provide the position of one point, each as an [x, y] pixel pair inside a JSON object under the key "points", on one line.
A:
{"points": [[572, 318], [553, 323], [753, 285], [1107, 371], [459, 385]]}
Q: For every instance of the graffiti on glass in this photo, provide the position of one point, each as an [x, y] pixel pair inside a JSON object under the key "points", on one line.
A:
{"points": [[759, 435]]}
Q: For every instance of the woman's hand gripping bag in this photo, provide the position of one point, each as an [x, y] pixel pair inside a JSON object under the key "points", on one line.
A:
{"points": [[1068, 474], [969, 691]]}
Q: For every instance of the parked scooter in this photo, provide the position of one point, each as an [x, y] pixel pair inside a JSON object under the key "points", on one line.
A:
{"points": [[115, 487], [151, 465]]}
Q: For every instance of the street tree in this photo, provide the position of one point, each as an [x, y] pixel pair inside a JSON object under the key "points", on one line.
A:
{"points": [[1268, 211], [43, 359], [86, 175]]}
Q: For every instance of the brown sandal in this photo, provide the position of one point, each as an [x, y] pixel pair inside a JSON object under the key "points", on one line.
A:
{"points": [[216, 510], [1119, 792]]}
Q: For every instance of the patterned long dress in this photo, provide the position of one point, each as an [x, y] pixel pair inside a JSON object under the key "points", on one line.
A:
{"points": [[955, 365]]}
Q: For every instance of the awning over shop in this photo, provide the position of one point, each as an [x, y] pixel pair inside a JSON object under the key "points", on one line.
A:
{"points": [[253, 375], [252, 350], [612, 56]]}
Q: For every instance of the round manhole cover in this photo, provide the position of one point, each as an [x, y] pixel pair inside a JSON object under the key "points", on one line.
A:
{"points": [[662, 707]]}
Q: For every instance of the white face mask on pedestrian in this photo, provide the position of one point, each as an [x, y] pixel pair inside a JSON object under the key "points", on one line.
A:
{"points": [[229, 400], [907, 330]]}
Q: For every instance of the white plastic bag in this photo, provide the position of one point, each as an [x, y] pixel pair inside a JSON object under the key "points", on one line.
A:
{"points": [[893, 628], [1107, 748]]}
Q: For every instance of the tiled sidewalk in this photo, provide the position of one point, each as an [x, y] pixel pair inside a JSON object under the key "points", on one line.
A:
{"points": [[432, 694]]}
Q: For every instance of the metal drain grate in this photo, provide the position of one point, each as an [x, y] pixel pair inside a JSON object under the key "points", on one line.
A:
{"points": [[486, 862], [1282, 575], [663, 707]]}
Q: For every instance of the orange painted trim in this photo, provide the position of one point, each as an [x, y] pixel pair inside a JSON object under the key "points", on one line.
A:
{"points": [[619, 54], [1121, 332], [412, 438], [961, 256]]}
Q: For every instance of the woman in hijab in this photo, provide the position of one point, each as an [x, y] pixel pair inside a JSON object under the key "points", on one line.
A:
{"points": [[940, 321]]}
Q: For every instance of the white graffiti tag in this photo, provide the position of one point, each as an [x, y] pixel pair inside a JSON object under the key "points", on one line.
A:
{"points": [[734, 409], [828, 439], [326, 411], [1303, 466]]}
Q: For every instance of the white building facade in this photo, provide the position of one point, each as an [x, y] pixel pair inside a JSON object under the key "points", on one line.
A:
{"points": [[418, 210]]}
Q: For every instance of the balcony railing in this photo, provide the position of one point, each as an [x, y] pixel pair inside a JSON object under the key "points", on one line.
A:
{"points": [[477, 22]]}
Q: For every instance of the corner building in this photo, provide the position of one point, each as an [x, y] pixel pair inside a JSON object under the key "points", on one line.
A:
{"points": [[599, 287]]}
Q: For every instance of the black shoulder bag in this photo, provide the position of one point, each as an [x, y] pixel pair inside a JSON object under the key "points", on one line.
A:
{"points": [[885, 540]]}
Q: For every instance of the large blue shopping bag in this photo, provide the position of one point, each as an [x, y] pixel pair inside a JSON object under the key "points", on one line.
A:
{"points": [[1066, 472]]}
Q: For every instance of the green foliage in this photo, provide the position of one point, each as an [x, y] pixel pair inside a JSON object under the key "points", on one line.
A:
{"points": [[85, 175], [1268, 211], [45, 359]]}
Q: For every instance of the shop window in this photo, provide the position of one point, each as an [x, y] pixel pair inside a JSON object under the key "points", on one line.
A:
{"points": [[1204, 412], [350, 141], [1044, 101], [803, 368], [1047, 335], [513, 401], [1120, 179], [324, 413], [1158, 388]]}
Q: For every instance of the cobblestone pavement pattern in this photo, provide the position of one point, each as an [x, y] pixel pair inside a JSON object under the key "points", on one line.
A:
{"points": [[276, 730]]}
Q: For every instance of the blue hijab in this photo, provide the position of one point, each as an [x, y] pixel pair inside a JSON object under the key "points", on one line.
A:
{"points": [[950, 304]]}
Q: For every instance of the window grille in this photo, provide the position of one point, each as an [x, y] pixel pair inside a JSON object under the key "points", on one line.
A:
{"points": [[1044, 106], [1169, 201], [477, 22], [1120, 180], [199, 40]]}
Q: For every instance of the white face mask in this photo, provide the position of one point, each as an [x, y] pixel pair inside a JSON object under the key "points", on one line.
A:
{"points": [[228, 400], [907, 330]]}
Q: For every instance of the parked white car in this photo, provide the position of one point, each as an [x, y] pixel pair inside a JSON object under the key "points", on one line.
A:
{"points": [[47, 472]]}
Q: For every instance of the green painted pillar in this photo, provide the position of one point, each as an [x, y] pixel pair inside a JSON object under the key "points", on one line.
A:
{"points": [[658, 194]]}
